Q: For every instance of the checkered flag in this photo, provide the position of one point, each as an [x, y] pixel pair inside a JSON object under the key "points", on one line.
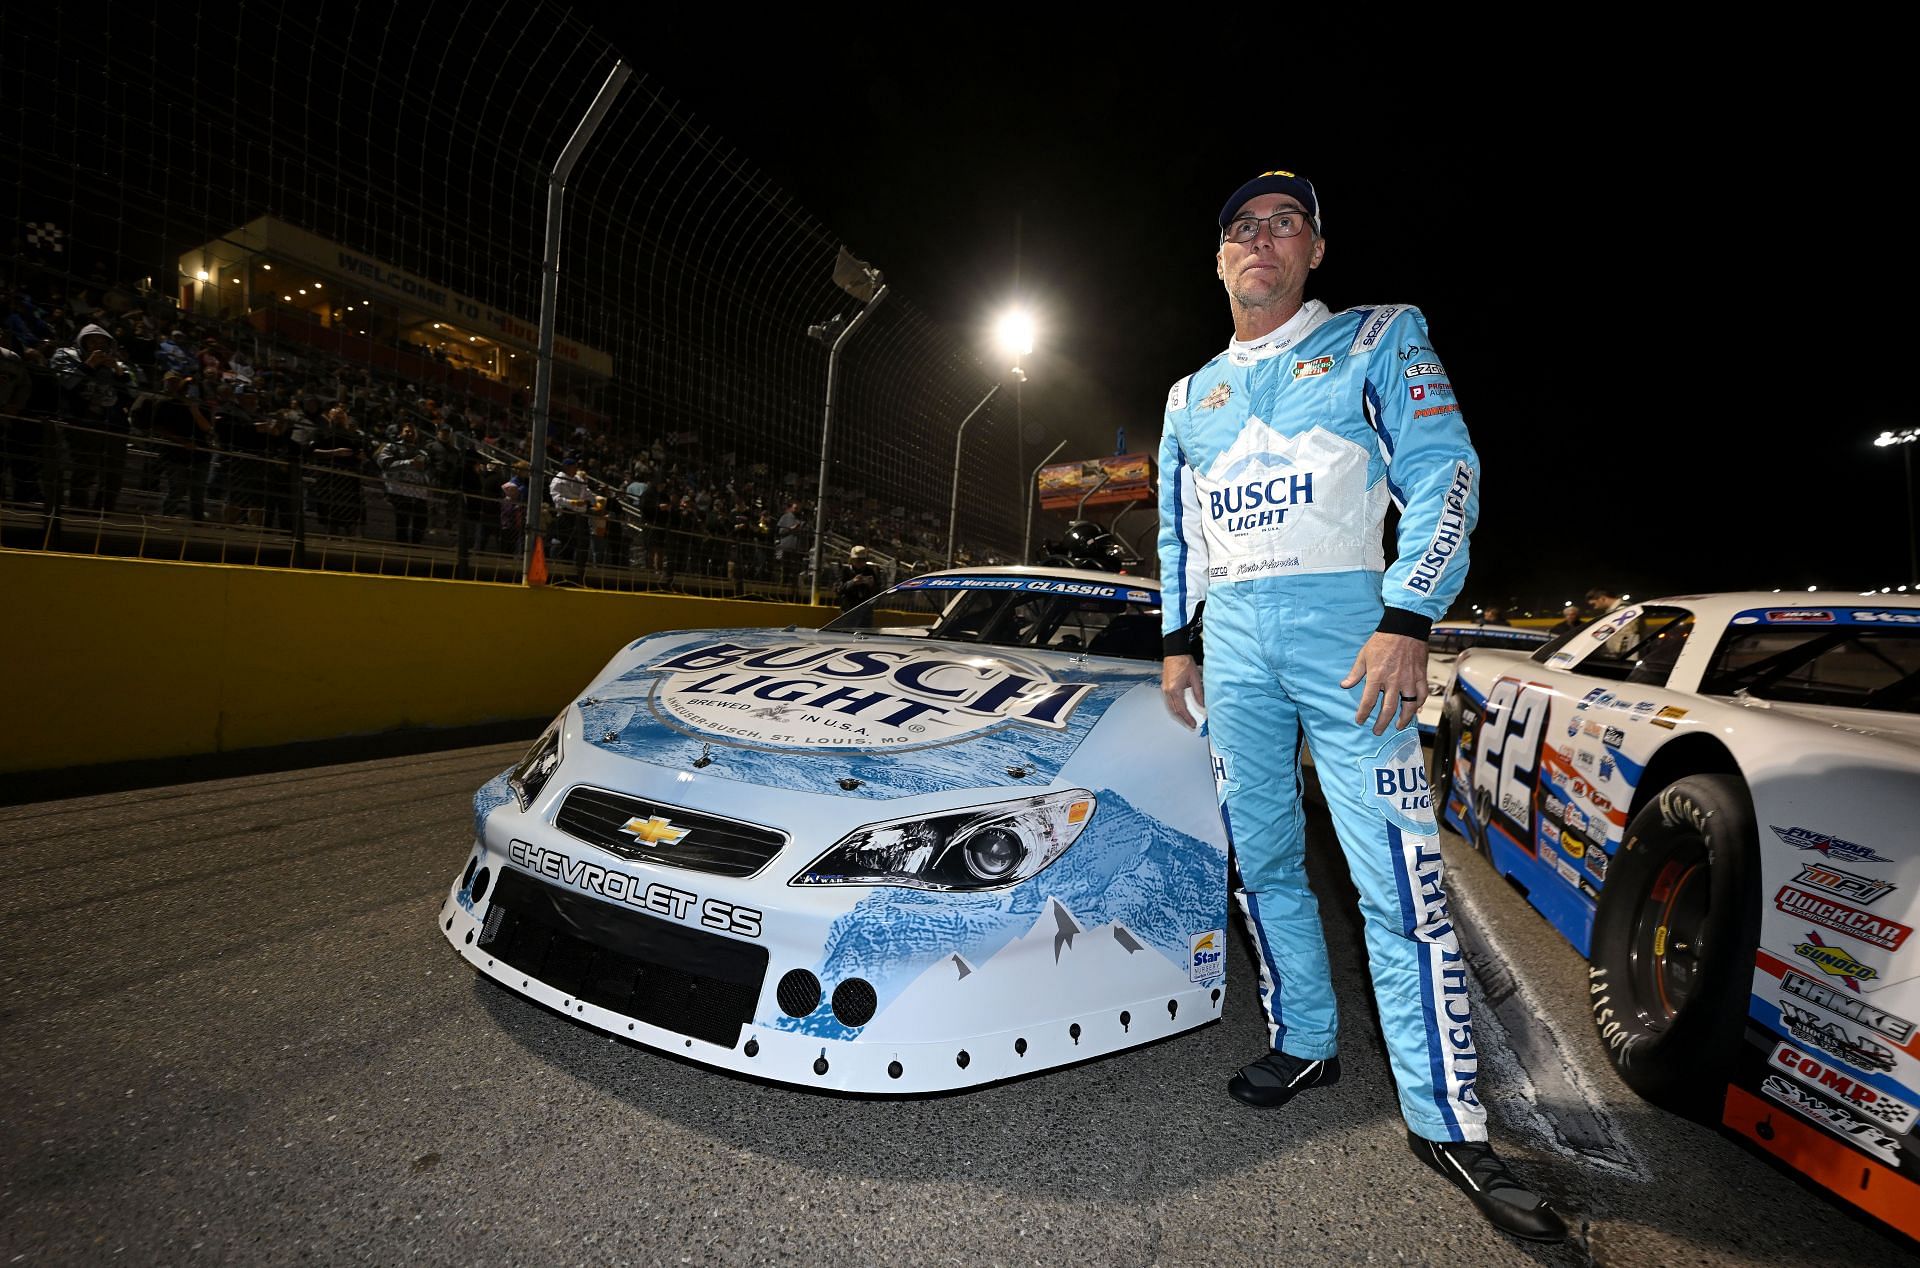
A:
{"points": [[46, 236]]}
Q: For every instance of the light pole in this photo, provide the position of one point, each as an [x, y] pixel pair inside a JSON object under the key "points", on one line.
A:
{"points": [[1026, 538], [1905, 438], [864, 282], [1014, 336]]}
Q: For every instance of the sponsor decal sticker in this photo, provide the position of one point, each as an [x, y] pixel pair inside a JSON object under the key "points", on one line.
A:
{"points": [[1555, 808], [1566, 870], [1613, 737], [1217, 397], [1865, 1136], [1879, 931], [1832, 1036], [1574, 844], [1895, 618], [1596, 861], [1835, 962], [808, 695], [1312, 367], [1431, 410], [1398, 777], [1898, 1029], [1207, 954], [1417, 391], [1642, 709], [1606, 768], [1800, 616], [606, 882], [1831, 847], [1668, 715], [1890, 1110], [1420, 369], [1833, 880]]}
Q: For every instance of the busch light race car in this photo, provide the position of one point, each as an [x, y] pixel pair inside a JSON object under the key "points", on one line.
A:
{"points": [[951, 838], [1713, 798]]}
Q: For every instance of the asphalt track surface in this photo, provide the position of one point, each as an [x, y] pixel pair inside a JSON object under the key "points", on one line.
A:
{"points": [[233, 1034]]}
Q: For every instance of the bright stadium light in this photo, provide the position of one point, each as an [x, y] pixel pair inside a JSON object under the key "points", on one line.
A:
{"points": [[1014, 334], [267, 267], [1811, 589], [202, 275]]}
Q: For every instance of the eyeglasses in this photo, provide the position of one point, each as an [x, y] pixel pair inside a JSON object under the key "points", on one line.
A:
{"points": [[1281, 224]]}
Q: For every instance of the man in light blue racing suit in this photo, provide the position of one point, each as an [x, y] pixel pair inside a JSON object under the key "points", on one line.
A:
{"points": [[1277, 460]]}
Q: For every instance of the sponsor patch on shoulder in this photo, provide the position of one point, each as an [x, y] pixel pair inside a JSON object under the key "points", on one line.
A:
{"points": [[1177, 395], [1374, 328]]}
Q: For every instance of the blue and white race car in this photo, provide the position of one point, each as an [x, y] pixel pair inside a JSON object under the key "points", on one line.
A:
{"points": [[1713, 798], [951, 838]]}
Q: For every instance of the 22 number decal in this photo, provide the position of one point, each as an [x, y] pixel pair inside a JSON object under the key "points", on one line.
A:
{"points": [[1506, 764]]}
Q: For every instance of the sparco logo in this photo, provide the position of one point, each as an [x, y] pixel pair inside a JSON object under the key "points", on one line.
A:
{"points": [[808, 695]]}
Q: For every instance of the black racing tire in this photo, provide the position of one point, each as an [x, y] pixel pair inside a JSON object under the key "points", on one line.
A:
{"points": [[1440, 765], [1671, 962]]}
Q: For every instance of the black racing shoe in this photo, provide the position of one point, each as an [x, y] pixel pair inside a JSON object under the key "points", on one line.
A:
{"points": [[1478, 1171], [1276, 1077]]}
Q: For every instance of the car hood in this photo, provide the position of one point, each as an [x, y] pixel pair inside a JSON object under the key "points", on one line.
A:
{"points": [[1899, 728], [849, 714]]}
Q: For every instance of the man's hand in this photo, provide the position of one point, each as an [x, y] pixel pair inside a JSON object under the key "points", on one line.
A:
{"points": [[1178, 674], [1395, 669]]}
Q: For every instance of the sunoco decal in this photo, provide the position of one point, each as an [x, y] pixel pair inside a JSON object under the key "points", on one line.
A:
{"points": [[1835, 962], [804, 695]]}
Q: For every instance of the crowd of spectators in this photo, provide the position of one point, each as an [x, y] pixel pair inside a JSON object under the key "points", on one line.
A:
{"points": [[244, 426]]}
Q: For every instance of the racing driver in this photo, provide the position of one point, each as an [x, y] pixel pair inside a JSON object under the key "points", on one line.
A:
{"points": [[1277, 460]]}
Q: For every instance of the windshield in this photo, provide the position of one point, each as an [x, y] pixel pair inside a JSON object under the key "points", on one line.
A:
{"points": [[1857, 667], [1099, 618]]}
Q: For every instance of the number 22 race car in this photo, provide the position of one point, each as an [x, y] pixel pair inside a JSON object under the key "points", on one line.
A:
{"points": [[951, 838], [1713, 799]]}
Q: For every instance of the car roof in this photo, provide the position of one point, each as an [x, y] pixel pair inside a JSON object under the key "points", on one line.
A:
{"points": [[1064, 574], [1724, 606]]}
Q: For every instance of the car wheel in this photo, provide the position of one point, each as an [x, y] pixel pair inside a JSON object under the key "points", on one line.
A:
{"points": [[1671, 962], [1440, 765]]}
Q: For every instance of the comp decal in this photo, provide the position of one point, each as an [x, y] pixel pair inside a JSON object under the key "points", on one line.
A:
{"points": [[804, 695], [1828, 1080]]}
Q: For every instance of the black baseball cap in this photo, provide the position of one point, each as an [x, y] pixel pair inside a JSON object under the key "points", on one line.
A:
{"points": [[1274, 183]]}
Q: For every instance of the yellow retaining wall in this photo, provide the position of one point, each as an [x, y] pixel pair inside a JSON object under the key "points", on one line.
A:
{"points": [[113, 660]]}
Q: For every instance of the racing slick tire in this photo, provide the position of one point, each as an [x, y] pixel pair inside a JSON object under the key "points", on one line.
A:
{"points": [[1671, 962], [1440, 763]]}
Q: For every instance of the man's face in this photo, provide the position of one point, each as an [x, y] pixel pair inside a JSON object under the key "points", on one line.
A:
{"points": [[1269, 270]]}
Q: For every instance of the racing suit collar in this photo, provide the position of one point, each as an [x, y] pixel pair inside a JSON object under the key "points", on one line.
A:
{"points": [[1273, 343]]}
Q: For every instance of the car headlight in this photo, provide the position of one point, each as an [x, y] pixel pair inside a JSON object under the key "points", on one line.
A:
{"points": [[537, 767], [982, 847]]}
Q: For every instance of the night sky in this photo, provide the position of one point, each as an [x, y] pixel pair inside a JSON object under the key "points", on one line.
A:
{"points": [[1665, 284]]}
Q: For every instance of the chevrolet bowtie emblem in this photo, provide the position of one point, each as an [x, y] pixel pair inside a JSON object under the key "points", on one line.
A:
{"points": [[654, 831]]}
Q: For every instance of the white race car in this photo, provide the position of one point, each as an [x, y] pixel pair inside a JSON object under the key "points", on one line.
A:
{"points": [[1444, 645], [951, 838], [1714, 798]]}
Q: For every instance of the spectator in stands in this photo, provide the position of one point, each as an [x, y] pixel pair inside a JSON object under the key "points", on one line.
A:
{"points": [[1571, 619], [570, 503], [174, 355], [337, 458], [183, 432], [862, 580], [1493, 616], [513, 506], [25, 324], [404, 463], [242, 451], [95, 389], [597, 518]]}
